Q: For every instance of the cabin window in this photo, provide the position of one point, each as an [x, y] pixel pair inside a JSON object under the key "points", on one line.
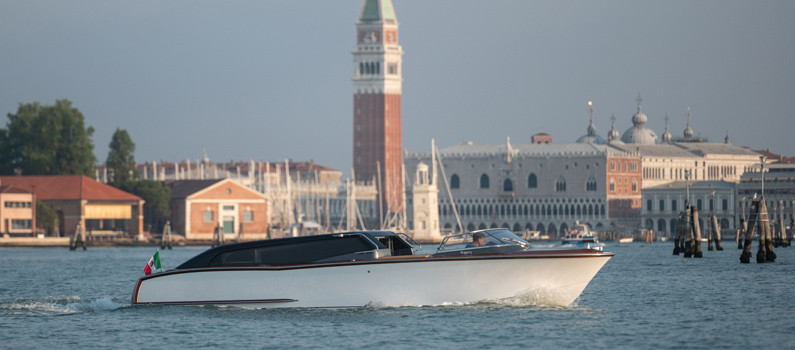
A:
{"points": [[295, 253], [208, 216]]}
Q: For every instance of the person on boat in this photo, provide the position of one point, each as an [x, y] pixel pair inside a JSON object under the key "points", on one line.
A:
{"points": [[477, 240]]}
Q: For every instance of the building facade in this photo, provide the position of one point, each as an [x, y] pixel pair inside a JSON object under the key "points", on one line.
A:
{"points": [[17, 211], [377, 90], [99, 209], [536, 187], [662, 204]]}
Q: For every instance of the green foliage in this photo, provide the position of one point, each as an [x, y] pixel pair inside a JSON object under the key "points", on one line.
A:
{"points": [[157, 196], [121, 159], [47, 140], [45, 217]]}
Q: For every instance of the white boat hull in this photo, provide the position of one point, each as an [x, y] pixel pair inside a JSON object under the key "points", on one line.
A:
{"points": [[393, 282]]}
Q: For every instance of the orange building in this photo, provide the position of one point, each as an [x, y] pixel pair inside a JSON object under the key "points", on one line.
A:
{"points": [[17, 211], [624, 175], [79, 199], [199, 206]]}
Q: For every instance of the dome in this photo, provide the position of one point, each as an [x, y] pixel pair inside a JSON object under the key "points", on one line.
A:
{"points": [[666, 136], [639, 133], [422, 167], [591, 136], [688, 132]]}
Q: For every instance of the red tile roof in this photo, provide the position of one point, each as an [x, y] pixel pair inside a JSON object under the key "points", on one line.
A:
{"points": [[12, 189], [72, 187]]}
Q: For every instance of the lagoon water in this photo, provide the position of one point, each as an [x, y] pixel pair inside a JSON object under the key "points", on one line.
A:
{"points": [[644, 298]]}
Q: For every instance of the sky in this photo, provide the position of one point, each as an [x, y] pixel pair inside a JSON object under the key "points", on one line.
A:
{"points": [[272, 80]]}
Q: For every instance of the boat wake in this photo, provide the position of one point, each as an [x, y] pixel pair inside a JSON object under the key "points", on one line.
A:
{"points": [[542, 297], [57, 305]]}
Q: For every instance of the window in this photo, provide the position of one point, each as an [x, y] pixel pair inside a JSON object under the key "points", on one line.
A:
{"points": [[229, 224], [662, 206], [612, 185], [484, 181], [698, 204], [560, 185], [17, 204], [208, 216], [454, 181], [507, 186], [711, 205], [248, 216], [591, 184], [673, 204], [725, 204], [20, 224], [648, 205], [633, 166], [532, 181], [634, 185], [393, 68], [613, 166], [229, 207]]}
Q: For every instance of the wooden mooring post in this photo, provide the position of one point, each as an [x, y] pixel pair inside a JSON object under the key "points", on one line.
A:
{"points": [[743, 228], [759, 218], [714, 233], [218, 236], [80, 237], [165, 239], [696, 232], [680, 232]]}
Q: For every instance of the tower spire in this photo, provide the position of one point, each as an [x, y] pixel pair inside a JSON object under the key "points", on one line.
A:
{"points": [[688, 130]]}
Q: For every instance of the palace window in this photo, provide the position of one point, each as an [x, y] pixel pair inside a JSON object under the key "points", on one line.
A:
{"points": [[507, 185], [454, 181], [560, 185], [484, 181], [591, 184], [532, 181]]}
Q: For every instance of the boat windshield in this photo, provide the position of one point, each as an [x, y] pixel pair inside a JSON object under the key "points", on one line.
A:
{"points": [[470, 240], [579, 230]]}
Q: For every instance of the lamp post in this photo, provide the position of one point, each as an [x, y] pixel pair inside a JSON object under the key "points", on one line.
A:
{"points": [[687, 186], [762, 160]]}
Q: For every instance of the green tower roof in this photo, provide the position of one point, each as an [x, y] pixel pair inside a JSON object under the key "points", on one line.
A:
{"points": [[377, 10]]}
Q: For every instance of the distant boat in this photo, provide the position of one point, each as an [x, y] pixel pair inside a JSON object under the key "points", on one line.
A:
{"points": [[626, 240], [579, 234]]}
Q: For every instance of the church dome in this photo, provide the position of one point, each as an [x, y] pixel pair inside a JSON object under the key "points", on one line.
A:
{"points": [[639, 133], [591, 136]]}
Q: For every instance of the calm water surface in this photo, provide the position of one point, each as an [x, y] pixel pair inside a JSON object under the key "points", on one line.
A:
{"points": [[643, 298]]}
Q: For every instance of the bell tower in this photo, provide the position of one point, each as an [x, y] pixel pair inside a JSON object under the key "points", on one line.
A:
{"points": [[377, 87]]}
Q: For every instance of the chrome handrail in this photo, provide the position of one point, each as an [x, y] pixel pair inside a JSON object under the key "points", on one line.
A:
{"points": [[411, 239]]}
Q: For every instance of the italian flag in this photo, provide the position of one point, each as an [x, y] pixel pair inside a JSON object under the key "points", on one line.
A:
{"points": [[154, 263]]}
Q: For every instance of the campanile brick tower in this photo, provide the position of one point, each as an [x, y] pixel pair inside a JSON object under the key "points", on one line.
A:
{"points": [[377, 87]]}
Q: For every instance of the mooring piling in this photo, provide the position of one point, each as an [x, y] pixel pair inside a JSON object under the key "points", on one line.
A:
{"points": [[696, 231], [165, 239], [715, 232], [79, 237]]}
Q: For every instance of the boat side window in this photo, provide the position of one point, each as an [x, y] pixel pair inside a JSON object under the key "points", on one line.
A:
{"points": [[294, 253]]}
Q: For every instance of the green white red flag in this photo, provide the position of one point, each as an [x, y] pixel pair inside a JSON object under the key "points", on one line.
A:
{"points": [[154, 263]]}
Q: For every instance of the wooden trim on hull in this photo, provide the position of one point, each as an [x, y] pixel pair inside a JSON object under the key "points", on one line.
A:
{"points": [[221, 302]]}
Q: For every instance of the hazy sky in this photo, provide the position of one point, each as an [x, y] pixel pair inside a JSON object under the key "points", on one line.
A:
{"points": [[271, 80]]}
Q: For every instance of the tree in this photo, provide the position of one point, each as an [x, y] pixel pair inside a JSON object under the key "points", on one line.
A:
{"points": [[121, 163], [47, 140], [157, 196], [45, 217]]}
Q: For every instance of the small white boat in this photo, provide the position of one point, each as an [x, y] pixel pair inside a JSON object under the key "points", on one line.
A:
{"points": [[579, 235], [626, 240], [359, 268]]}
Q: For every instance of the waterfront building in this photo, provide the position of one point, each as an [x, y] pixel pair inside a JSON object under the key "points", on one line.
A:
{"points": [[17, 211], [425, 204], [779, 190], [377, 90], [99, 209], [662, 204], [537, 187], [198, 207]]}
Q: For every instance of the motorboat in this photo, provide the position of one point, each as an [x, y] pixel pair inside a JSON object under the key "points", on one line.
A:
{"points": [[356, 269], [579, 235], [626, 240]]}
